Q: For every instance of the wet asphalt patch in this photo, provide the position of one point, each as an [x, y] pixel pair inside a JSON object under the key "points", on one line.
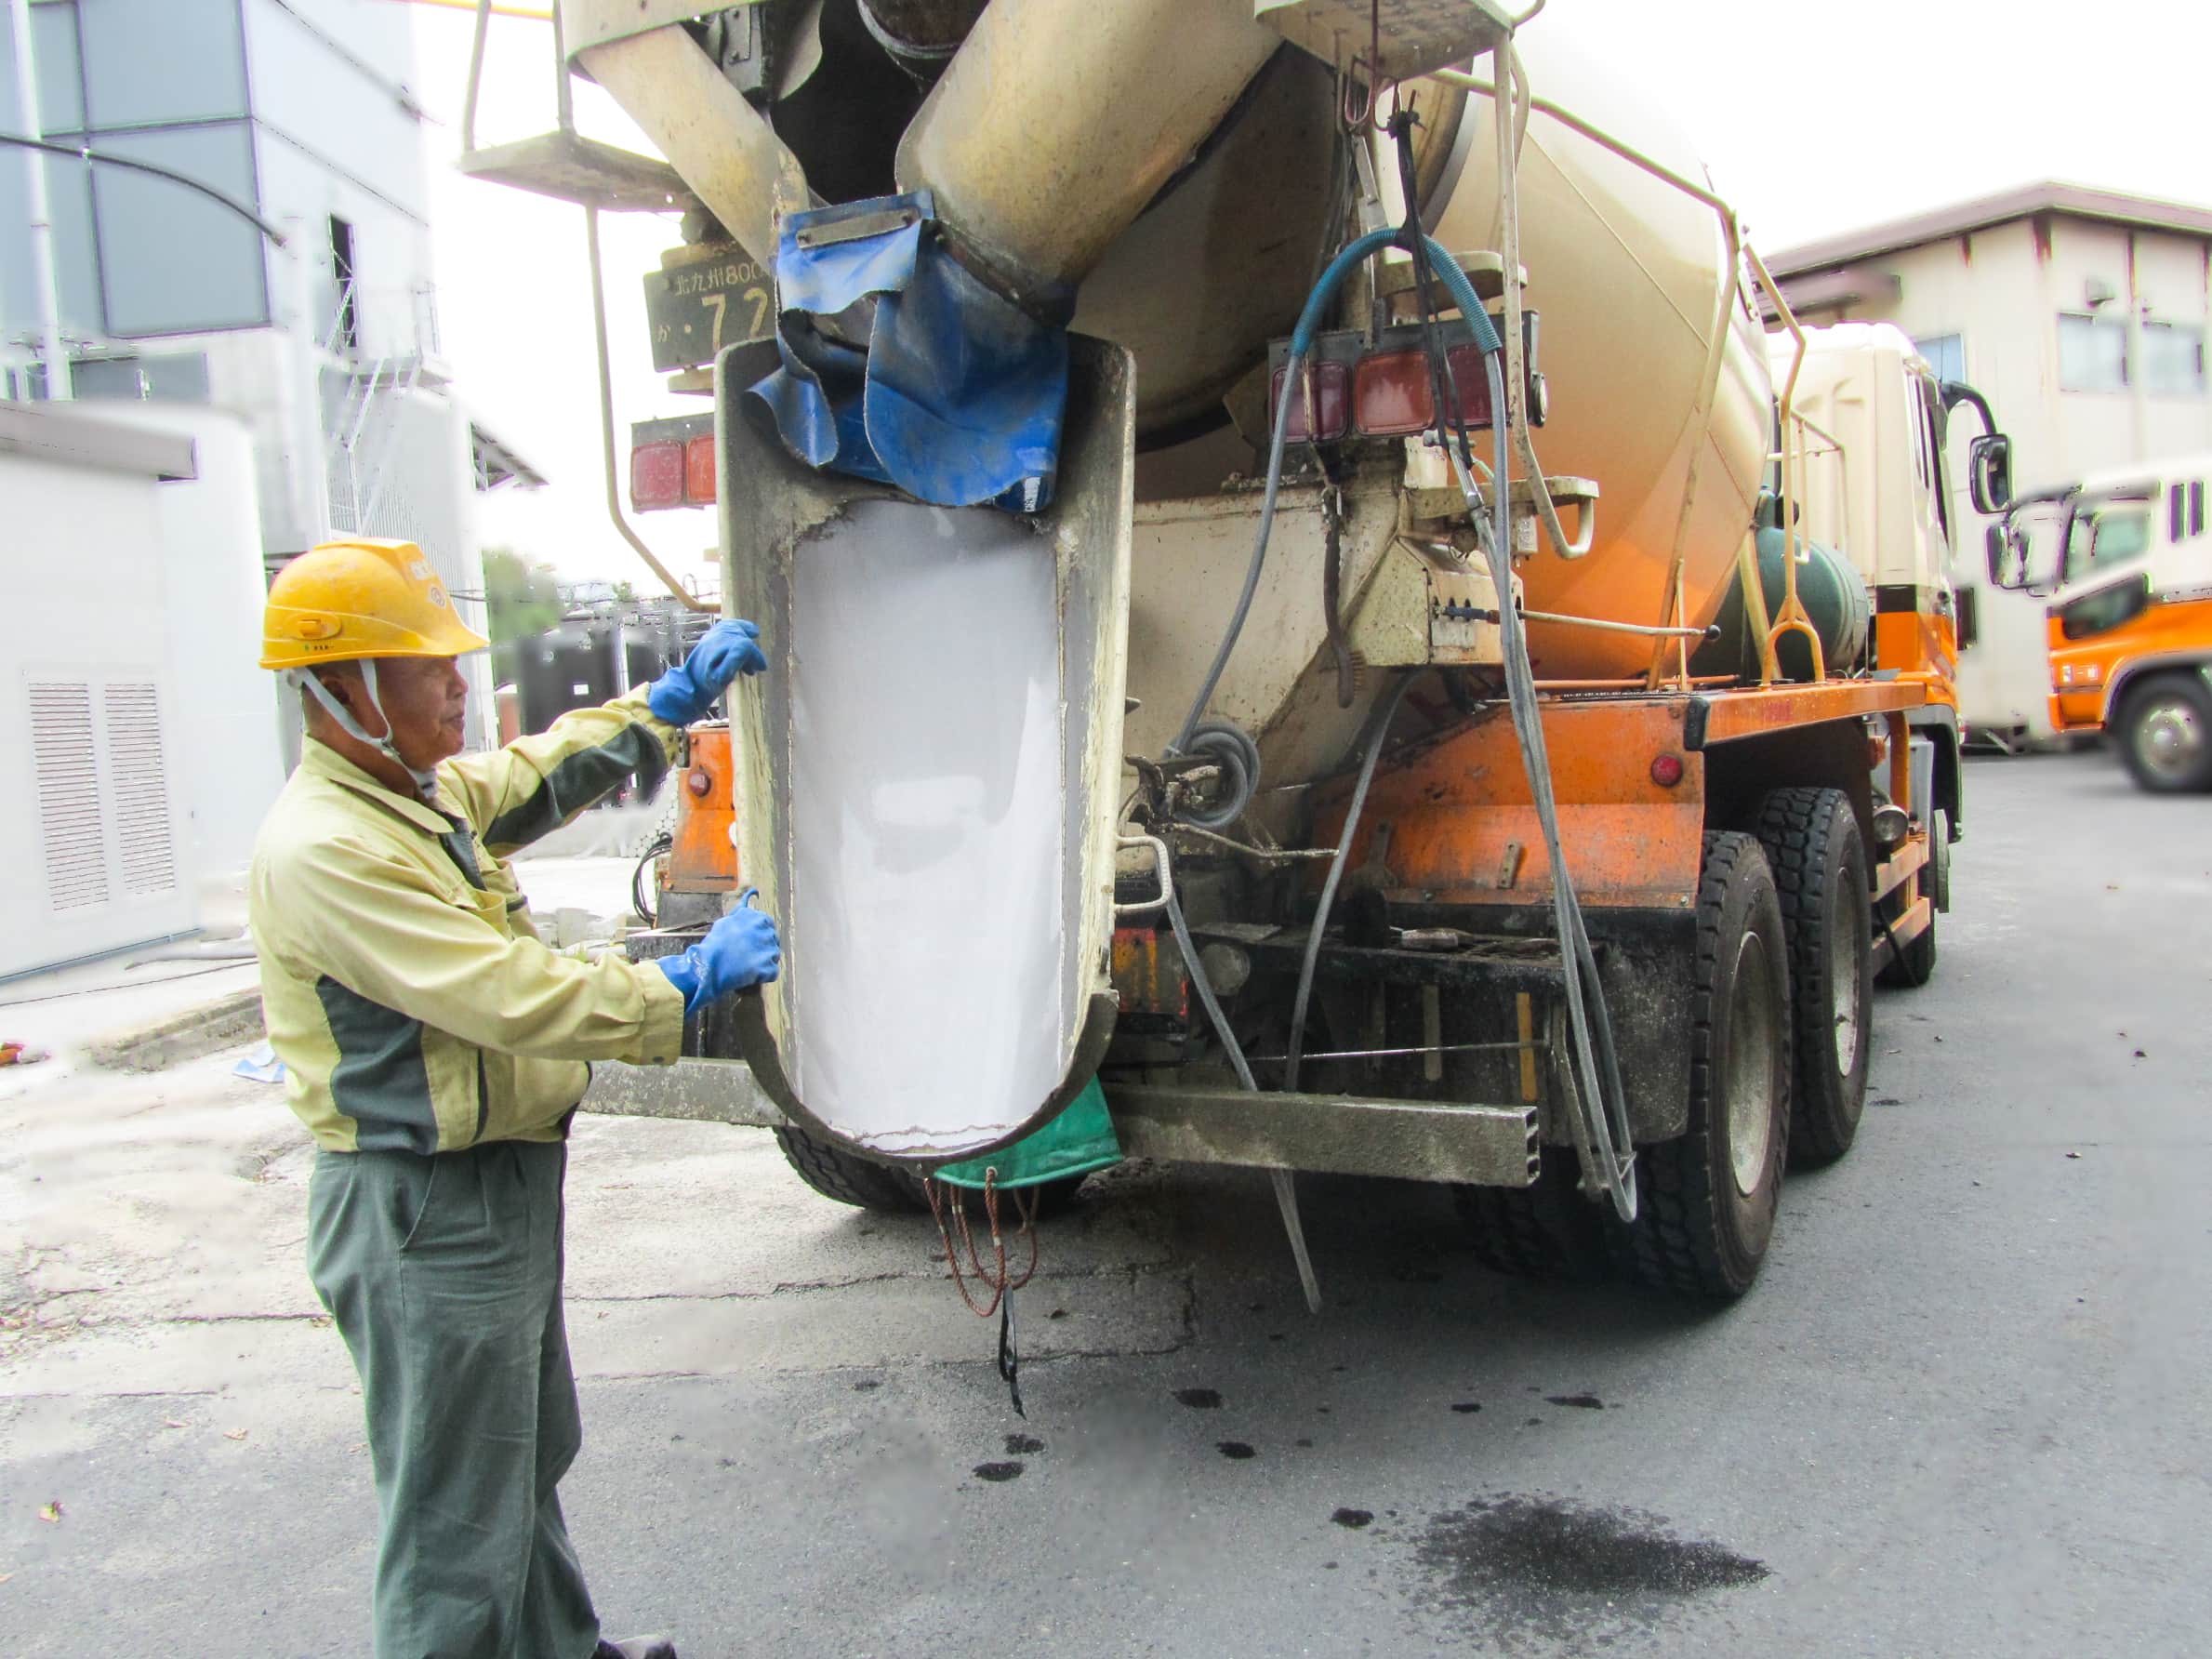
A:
{"points": [[1545, 1567]]}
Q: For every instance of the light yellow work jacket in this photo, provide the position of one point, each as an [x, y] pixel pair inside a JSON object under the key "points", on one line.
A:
{"points": [[412, 1003]]}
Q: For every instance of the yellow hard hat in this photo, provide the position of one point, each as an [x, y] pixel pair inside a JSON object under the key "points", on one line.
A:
{"points": [[367, 597]]}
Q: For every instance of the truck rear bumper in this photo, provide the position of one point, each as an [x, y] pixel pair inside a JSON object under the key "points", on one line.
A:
{"points": [[1488, 1146]]}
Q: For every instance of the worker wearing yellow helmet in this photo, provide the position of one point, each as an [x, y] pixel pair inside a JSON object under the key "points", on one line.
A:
{"points": [[436, 1049]]}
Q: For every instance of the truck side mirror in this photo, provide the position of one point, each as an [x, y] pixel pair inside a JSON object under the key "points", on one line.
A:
{"points": [[2007, 557], [1989, 471]]}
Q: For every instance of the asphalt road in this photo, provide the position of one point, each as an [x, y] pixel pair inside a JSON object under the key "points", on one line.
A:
{"points": [[1964, 1412]]}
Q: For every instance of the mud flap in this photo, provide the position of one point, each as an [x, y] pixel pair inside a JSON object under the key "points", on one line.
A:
{"points": [[926, 780]]}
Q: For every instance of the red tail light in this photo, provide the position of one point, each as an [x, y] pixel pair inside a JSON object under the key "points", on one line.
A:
{"points": [[671, 462], [1392, 395], [1380, 387], [657, 475], [1331, 406], [698, 470]]}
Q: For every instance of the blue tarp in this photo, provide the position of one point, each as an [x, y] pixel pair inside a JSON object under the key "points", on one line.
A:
{"points": [[959, 396]]}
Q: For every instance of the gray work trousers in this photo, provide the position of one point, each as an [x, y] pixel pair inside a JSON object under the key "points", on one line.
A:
{"points": [[443, 1276]]}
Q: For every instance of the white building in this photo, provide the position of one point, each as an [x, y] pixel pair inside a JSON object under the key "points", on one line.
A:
{"points": [[298, 113], [2081, 314], [96, 838]]}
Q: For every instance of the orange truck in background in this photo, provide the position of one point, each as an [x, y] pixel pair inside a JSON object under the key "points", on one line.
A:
{"points": [[2125, 560]]}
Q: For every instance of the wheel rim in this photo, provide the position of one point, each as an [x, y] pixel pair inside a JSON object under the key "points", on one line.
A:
{"points": [[2169, 739], [1846, 950], [1752, 1039]]}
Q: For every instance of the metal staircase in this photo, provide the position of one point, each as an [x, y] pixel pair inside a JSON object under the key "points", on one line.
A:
{"points": [[365, 419]]}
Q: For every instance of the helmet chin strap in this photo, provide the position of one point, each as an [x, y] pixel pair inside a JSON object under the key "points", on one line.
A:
{"points": [[426, 783]]}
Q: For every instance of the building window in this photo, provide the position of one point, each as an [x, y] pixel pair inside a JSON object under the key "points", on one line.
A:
{"points": [[2092, 354], [172, 377], [2173, 360], [176, 262], [346, 337], [1946, 354]]}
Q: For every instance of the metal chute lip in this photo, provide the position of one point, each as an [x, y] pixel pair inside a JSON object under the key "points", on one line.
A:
{"points": [[757, 1047]]}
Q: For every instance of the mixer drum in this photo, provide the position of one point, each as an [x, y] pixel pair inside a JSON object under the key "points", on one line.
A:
{"points": [[1627, 272]]}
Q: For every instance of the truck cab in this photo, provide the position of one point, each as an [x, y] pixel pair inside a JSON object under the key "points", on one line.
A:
{"points": [[2124, 562], [1877, 424]]}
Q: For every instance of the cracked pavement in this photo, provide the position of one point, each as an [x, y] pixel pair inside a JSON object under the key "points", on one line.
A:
{"points": [[1962, 1413]]}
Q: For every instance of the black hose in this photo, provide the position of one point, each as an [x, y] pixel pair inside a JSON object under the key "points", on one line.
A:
{"points": [[132, 164], [647, 913], [1385, 708], [1595, 1059]]}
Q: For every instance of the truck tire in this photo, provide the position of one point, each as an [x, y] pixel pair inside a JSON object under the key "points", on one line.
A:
{"points": [[1545, 1232], [888, 1189], [1915, 964], [1819, 859], [1706, 1200], [849, 1179], [2166, 735]]}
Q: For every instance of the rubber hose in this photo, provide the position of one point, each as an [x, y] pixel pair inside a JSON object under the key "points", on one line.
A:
{"points": [[1385, 708]]}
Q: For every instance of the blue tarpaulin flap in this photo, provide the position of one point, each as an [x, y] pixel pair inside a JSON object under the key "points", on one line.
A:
{"points": [[819, 377], [965, 391], [957, 399]]}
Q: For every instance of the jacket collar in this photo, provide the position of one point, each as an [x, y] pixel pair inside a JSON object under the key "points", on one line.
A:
{"points": [[319, 760]]}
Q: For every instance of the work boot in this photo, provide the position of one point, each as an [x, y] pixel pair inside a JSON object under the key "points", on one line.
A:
{"points": [[637, 1647]]}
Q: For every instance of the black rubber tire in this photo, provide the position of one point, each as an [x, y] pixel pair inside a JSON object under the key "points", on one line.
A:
{"points": [[2180, 697], [849, 1179], [890, 1189], [1818, 860], [1915, 964], [1698, 1232], [1545, 1232]]}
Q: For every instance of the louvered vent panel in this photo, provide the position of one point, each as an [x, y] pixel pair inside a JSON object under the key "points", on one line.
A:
{"points": [[140, 780], [66, 771]]}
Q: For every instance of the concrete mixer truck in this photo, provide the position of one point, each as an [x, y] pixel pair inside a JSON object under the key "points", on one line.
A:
{"points": [[1304, 601]]}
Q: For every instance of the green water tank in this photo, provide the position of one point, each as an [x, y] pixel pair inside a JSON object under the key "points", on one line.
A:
{"points": [[1834, 595]]}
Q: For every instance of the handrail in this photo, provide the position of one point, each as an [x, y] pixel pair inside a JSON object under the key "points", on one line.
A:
{"points": [[1793, 618], [484, 30]]}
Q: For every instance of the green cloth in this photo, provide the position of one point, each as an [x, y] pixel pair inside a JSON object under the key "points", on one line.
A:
{"points": [[1080, 1140], [443, 1273]]}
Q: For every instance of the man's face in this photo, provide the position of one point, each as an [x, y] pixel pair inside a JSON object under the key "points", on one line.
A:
{"points": [[425, 698]]}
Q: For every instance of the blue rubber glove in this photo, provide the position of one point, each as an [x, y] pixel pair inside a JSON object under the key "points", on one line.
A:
{"points": [[687, 691], [739, 950]]}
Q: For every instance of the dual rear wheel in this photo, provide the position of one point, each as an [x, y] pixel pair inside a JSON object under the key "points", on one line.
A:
{"points": [[1781, 997]]}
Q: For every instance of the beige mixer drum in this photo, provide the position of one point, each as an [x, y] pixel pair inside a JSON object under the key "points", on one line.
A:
{"points": [[1626, 272]]}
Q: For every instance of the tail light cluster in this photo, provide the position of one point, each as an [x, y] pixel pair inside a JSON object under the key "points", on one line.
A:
{"points": [[672, 463], [1379, 385]]}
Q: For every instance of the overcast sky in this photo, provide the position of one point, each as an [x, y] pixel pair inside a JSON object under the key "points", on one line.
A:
{"points": [[1813, 117]]}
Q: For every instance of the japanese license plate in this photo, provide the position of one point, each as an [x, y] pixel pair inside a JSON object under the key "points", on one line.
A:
{"points": [[713, 296]]}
